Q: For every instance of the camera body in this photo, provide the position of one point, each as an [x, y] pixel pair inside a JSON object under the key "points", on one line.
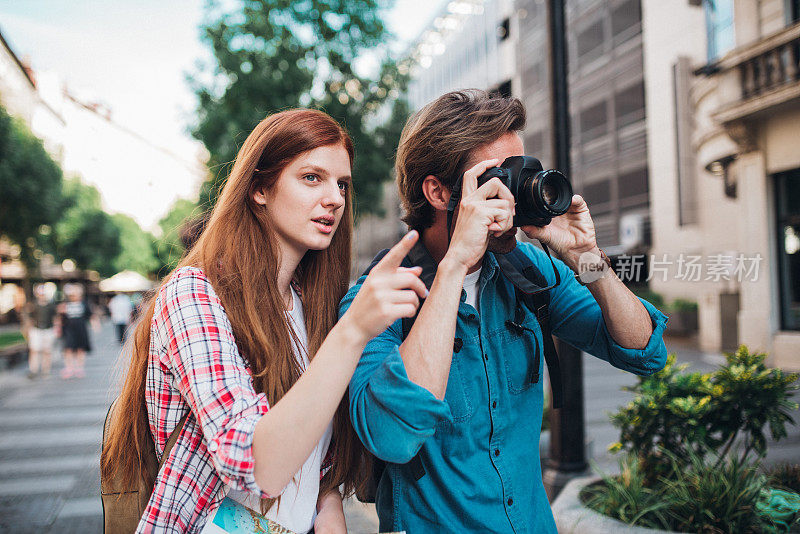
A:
{"points": [[539, 194]]}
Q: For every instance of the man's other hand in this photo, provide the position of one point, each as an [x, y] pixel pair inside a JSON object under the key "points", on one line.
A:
{"points": [[568, 235]]}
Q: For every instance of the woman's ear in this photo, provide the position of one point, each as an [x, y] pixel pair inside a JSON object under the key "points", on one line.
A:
{"points": [[259, 195], [435, 192]]}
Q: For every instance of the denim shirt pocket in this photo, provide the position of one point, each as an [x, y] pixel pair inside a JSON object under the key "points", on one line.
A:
{"points": [[520, 347]]}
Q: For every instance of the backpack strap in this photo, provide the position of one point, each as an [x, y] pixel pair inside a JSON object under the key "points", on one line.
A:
{"points": [[173, 437], [532, 289]]}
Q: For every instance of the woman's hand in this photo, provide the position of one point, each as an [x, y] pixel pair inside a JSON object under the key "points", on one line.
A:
{"points": [[330, 515], [389, 293]]}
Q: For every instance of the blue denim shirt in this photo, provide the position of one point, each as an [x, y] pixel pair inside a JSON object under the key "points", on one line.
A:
{"points": [[480, 445]]}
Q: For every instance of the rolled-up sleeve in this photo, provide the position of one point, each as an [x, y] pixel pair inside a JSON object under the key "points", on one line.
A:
{"points": [[576, 318], [212, 376], [392, 415]]}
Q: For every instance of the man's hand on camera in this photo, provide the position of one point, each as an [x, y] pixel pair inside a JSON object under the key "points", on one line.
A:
{"points": [[568, 235], [484, 210]]}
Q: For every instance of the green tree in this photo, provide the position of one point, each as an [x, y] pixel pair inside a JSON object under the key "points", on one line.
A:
{"points": [[168, 248], [30, 183], [85, 232], [274, 54], [137, 247]]}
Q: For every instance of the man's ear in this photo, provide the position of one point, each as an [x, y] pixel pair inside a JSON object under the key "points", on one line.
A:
{"points": [[437, 194]]}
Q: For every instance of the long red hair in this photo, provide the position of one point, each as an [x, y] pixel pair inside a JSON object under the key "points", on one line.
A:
{"points": [[239, 254]]}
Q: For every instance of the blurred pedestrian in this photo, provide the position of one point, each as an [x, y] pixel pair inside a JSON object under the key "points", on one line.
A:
{"points": [[242, 341], [121, 309], [75, 315], [42, 320]]}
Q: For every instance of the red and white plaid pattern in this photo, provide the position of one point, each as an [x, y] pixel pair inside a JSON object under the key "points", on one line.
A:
{"points": [[195, 365]]}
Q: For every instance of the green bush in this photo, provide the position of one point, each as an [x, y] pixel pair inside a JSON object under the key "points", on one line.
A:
{"points": [[677, 413], [627, 497], [683, 305], [694, 496], [650, 296], [8, 339]]}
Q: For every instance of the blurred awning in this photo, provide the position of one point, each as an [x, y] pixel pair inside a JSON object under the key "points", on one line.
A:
{"points": [[126, 282]]}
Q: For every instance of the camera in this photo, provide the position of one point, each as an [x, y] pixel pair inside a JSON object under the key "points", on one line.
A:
{"points": [[539, 194]]}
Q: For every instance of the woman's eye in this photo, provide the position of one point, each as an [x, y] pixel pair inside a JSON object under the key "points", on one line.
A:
{"points": [[344, 186], [311, 178]]}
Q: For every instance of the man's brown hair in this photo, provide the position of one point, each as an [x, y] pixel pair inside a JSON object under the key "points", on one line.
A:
{"points": [[438, 140]]}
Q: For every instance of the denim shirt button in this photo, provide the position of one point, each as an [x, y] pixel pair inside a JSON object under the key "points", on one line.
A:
{"points": [[510, 501], [494, 404], [497, 452]]}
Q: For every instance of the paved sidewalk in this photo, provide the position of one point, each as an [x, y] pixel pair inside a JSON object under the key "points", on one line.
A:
{"points": [[50, 433]]}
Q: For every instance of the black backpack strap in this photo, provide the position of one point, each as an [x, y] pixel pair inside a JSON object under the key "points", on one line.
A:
{"points": [[539, 303], [516, 266]]}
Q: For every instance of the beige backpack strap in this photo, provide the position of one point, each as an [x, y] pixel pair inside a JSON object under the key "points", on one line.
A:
{"points": [[172, 439]]}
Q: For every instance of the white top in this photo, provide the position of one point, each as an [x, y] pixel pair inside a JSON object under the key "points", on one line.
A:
{"points": [[298, 505], [471, 287], [120, 307]]}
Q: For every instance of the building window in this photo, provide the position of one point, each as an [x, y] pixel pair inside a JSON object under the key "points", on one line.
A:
{"points": [[793, 10], [590, 41], [594, 122], [629, 105], [719, 27], [504, 89], [598, 196], [503, 30], [624, 16], [633, 184], [787, 197]]}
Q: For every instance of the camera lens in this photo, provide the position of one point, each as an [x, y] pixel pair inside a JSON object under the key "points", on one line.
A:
{"points": [[551, 194]]}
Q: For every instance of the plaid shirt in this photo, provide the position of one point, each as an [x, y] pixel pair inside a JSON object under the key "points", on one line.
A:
{"points": [[195, 365]]}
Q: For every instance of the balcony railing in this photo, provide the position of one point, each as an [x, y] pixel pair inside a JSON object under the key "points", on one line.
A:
{"points": [[771, 69], [768, 74]]}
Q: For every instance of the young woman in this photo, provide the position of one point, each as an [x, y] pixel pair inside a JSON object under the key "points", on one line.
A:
{"points": [[244, 335], [75, 315]]}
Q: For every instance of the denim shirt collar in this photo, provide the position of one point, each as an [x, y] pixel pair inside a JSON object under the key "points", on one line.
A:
{"points": [[420, 257]]}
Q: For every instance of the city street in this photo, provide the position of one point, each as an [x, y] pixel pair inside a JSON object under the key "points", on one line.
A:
{"points": [[50, 433]]}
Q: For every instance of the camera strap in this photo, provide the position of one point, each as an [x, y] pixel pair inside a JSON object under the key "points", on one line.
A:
{"points": [[455, 198]]}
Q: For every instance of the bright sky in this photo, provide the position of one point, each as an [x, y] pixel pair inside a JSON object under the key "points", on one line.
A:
{"points": [[134, 55]]}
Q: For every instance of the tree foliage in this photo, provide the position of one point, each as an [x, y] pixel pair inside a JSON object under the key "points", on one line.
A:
{"points": [[85, 232], [168, 248], [275, 54], [137, 251], [30, 182]]}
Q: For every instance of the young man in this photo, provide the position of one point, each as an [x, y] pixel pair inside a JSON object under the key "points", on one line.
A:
{"points": [[456, 395], [43, 325]]}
